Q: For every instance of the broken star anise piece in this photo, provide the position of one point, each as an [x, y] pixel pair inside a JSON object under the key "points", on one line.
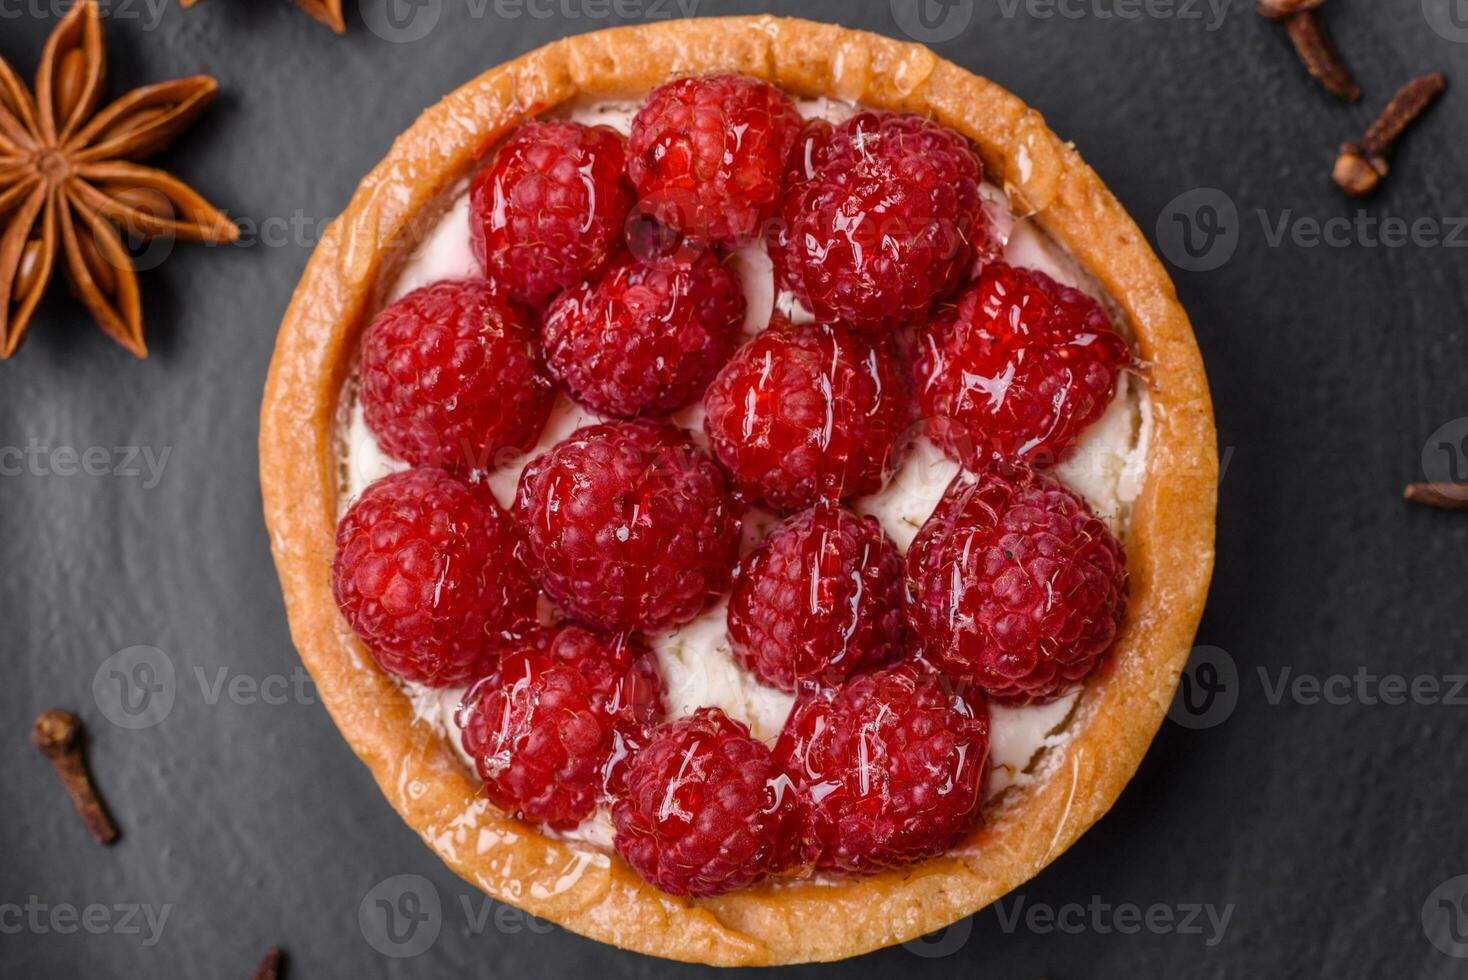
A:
{"points": [[68, 181], [329, 12]]}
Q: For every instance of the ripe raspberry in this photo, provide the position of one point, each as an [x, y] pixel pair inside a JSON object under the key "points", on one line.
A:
{"points": [[647, 337], [551, 207], [630, 526], [819, 600], [878, 217], [705, 811], [1018, 368], [426, 574], [805, 414], [451, 377], [708, 154], [888, 769], [553, 728], [1015, 585]]}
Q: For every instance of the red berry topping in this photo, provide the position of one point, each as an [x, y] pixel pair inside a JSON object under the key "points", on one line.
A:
{"points": [[1015, 585], [554, 727], [426, 573], [878, 218], [805, 414], [1018, 368], [551, 208], [630, 525], [451, 377], [708, 154], [647, 337], [888, 769], [706, 809], [819, 600]]}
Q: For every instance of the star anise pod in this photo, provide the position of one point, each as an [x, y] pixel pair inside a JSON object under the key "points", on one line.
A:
{"points": [[68, 180], [329, 12]]}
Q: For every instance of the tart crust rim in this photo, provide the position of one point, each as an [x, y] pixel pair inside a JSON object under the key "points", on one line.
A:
{"points": [[1170, 543]]}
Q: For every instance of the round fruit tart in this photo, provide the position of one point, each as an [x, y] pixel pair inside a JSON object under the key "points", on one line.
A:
{"points": [[744, 487]]}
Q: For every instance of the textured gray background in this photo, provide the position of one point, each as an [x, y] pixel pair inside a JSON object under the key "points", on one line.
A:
{"points": [[1326, 826]]}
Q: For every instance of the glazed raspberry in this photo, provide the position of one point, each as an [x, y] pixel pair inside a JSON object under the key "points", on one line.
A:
{"points": [[809, 413], [819, 600], [1015, 585], [705, 811], [553, 728], [551, 208], [630, 526], [647, 337], [451, 377], [1018, 368], [426, 573], [878, 217], [888, 769], [708, 154]]}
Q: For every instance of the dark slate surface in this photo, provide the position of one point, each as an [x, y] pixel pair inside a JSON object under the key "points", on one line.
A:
{"points": [[1330, 829]]}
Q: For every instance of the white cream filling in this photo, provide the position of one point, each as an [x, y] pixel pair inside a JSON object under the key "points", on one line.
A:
{"points": [[1107, 468]]}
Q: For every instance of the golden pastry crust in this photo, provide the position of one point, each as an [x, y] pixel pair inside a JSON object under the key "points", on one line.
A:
{"points": [[1170, 542]]}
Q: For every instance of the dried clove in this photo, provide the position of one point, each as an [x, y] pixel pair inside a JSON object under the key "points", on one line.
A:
{"points": [[1361, 166], [1312, 44], [269, 968], [1284, 9], [59, 737], [1448, 496]]}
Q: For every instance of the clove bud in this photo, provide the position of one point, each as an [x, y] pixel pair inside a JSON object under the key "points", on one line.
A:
{"points": [[1361, 166], [1448, 496], [1307, 34], [59, 737]]}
